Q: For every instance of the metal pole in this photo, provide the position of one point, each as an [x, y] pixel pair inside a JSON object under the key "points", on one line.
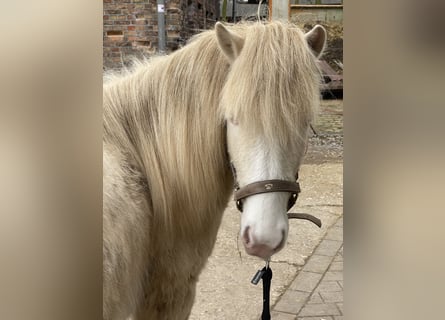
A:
{"points": [[233, 11], [224, 11], [279, 10], [204, 13], [161, 25]]}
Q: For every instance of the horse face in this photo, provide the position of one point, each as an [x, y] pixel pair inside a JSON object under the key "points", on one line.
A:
{"points": [[256, 154], [264, 222]]}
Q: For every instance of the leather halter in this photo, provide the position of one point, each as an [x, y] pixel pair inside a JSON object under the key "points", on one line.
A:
{"points": [[266, 186], [274, 185]]}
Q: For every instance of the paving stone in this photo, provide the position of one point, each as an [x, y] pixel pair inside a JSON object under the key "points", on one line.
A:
{"points": [[318, 264], [281, 316], [338, 318], [315, 298], [340, 307], [336, 296], [319, 309], [292, 301], [339, 223], [333, 275], [336, 266], [340, 283], [338, 258], [328, 248], [305, 281], [328, 286], [335, 233]]}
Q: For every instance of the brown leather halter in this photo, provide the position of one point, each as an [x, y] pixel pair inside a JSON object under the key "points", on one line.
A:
{"points": [[275, 185]]}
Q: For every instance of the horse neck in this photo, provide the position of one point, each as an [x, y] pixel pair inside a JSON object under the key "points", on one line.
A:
{"points": [[185, 158]]}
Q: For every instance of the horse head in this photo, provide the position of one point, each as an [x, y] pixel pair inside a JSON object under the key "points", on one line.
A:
{"points": [[268, 102]]}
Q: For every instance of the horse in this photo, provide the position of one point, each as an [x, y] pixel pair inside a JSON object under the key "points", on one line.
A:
{"points": [[243, 94]]}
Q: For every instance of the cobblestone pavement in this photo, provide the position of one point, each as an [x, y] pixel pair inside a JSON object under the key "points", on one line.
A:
{"points": [[317, 291]]}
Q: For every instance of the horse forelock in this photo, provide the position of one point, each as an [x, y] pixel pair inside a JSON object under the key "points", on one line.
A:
{"points": [[273, 85]]}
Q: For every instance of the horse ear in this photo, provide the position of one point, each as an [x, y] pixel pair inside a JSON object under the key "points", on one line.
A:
{"points": [[316, 38], [230, 43]]}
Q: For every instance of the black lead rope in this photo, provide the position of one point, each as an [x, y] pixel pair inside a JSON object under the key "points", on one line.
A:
{"points": [[267, 278], [266, 275], [266, 272]]}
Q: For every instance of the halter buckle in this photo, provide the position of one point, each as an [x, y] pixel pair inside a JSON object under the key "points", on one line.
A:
{"points": [[268, 186]]}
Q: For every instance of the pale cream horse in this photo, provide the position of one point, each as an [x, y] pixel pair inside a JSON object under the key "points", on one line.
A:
{"points": [[245, 92]]}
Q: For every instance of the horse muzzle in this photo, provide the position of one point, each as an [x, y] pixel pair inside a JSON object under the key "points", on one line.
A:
{"points": [[264, 249]]}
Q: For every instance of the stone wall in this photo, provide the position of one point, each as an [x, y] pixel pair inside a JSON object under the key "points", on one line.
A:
{"points": [[130, 27]]}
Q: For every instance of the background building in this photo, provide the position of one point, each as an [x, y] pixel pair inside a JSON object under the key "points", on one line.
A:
{"points": [[131, 26]]}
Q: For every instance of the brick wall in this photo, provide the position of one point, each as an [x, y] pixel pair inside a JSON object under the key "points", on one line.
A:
{"points": [[130, 26]]}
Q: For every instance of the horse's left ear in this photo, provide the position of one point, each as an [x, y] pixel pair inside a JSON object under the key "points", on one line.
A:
{"points": [[230, 43], [316, 38]]}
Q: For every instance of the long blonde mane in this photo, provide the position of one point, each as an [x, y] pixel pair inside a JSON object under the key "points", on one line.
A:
{"points": [[166, 117]]}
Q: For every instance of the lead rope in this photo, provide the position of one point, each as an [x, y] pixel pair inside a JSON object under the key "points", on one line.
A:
{"points": [[266, 275]]}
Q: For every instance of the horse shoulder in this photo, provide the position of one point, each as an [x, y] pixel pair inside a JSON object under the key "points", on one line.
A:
{"points": [[125, 236]]}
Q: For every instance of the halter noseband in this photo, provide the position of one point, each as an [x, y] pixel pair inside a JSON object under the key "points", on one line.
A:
{"points": [[266, 186]]}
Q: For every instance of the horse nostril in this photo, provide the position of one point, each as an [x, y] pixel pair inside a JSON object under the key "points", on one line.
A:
{"points": [[281, 244], [246, 237]]}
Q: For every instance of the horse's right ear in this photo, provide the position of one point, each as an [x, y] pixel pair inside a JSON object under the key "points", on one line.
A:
{"points": [[230, 43]]}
